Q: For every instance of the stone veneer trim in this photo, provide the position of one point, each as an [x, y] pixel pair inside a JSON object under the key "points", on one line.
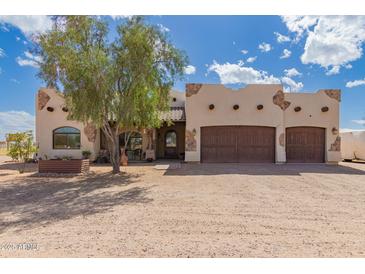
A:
{"points": [[192, 89]]}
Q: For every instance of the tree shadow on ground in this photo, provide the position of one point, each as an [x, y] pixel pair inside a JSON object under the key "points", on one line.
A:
{"points": [[261, 169], [29, 167], [39, 201]]}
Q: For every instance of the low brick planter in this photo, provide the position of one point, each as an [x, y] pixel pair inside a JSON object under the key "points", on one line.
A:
{"points": [[63, 166]]}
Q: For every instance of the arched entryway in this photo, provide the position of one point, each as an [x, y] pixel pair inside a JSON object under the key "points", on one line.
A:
{"points": [[171, 144], [134, 145]]}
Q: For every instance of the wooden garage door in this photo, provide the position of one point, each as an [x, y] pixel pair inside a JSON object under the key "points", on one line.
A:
{"points": [[305, 145], [237, 144]]}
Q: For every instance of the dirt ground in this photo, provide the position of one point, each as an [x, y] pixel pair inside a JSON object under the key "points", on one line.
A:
{"points": [[211, 210]]}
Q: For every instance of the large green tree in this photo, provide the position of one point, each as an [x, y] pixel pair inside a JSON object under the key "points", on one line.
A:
{"points": [[117, 85]]}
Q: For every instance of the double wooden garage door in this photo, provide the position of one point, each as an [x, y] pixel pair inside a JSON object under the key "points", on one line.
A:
{"points": [[253, 144], [237, 144]]}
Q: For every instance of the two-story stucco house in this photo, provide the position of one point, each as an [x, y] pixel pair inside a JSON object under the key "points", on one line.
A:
{"points": [[212, 123]]}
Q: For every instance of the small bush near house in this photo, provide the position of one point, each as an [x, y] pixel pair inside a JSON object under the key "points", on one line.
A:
{"points": [[86, 154], [22, 148], [66, 158]]}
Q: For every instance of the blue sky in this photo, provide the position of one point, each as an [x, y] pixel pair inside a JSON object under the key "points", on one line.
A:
{"points": [[305, 53]]}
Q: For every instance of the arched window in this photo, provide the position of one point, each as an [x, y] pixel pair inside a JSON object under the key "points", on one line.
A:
{"points": [[170, 139], [66, 138]]}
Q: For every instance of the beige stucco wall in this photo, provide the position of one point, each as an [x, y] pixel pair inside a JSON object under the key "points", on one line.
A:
{"points": [[47, 121], [199, 97], [312, 116], [180, 98], [353, 145]]}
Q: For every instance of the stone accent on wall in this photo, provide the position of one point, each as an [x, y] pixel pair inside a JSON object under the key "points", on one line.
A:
{"points": [[90, 132], [279, 100], [282, 139], [43, 99], [192, 89], [190, 141], [336, 146], [334, 94]]}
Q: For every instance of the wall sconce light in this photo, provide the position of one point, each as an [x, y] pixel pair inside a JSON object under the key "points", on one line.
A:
{"points": [[334, 131]]}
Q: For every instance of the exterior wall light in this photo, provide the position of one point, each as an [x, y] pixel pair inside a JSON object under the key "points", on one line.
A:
{"points": [[334, 131], [297, 109]]}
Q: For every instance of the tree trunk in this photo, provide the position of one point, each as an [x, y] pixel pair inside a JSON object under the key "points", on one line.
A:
{"points": [[112, 140], [114, 154]]}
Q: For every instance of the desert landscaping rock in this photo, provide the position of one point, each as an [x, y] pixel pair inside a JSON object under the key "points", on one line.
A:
{"points": [[198, 210]]}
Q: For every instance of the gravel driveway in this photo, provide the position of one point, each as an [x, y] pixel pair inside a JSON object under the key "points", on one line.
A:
{"points": [[211, 210]]}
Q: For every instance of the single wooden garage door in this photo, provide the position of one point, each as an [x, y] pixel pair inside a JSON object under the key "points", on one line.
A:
{"points": [[237, 144], [305, 145]]}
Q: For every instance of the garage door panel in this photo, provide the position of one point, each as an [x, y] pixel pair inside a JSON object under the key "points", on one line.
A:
{"points": [[245, 144], [305, 145]]}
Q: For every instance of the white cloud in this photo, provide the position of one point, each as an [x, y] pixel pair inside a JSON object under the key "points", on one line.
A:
{"points": [[359, 122], [239, 74], [299, 24], [3, 28], [28, 24], [251, 59], [348, 66], [30, 60], [15, 81], [265, 47], [189, 69], [291, 85], [280, 38], [234, 43], [244, 51], [291, 72], [355, 83], [15, 121], [350, 130], [334, 70], [330, 40], [163, 28], [2, 53], [286, 54]]}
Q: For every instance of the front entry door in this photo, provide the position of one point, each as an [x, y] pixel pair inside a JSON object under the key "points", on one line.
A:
{"points": [[171, 144]]}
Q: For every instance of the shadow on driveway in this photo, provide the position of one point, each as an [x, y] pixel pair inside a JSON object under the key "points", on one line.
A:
{"points": [[38, 201], [261, 169]]}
